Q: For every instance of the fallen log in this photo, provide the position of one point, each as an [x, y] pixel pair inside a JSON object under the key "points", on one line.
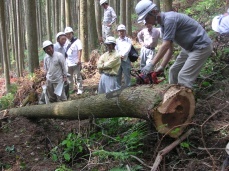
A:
{"points": [[169, 107]]}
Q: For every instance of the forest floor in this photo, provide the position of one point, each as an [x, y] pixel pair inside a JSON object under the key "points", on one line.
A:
{"points": [[25, 144]]}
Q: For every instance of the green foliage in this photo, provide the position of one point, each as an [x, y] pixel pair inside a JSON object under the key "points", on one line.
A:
{"points": [[68, 148], [6, 101], [62, 168], [10, 149]]}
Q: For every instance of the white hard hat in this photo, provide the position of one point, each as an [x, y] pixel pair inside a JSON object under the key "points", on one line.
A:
{"points": [[227, 148], [121, 27], [47, 43], [110, 40], [68, 30], [143, 8], [102, 2], [60, 34]]}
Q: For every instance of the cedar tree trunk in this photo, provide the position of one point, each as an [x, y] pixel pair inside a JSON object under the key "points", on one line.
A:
{"points": [[169, 107]]}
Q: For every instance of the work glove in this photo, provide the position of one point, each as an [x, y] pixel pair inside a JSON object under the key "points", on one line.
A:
{"points": [[149, 67]]}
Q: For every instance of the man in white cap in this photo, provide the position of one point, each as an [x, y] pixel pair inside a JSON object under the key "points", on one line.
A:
{"points": [[186, 32], [109, 18], [74, 52], [148, 38], [55, 71], [123, 46], [59, 46], [108, 65]]}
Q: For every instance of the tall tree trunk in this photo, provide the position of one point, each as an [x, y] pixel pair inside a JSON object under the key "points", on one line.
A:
{"points": [[92, 39], [15, 28], [170, 108], [39, 25], [31, 27], [83, 30], [117, 10], [48, 20], [19, 39], [67, 13], [157, 2], [128, 17], [123, 12], [98, 17], [4, 45], [62, 15]]}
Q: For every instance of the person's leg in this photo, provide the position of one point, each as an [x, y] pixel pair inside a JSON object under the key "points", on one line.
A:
{"points": [[176, 67], [126, 71], [193, 65], [50, 91], [78, 77], [144, 56], [102, 84], [71, 71], [119, 76], [111, 83]]}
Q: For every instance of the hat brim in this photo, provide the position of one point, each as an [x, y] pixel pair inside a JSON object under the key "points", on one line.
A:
{"points": [[142, 18]]}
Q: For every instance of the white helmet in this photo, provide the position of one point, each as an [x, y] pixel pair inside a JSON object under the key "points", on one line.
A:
{"points": [[121, 27], [60, 34], [102, 2], [47, 43], [110, 40], [68, 30], [143, 8]]}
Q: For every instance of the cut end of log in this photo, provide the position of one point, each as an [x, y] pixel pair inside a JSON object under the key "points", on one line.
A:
{"points": [[175, 111]]}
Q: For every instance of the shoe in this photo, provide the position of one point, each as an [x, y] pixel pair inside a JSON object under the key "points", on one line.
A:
{"points": [[80, 92]]}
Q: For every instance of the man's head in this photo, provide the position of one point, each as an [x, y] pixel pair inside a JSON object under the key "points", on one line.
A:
{"points": [[148, 11], [48, 47], [61, 38], [69, 32], [110, 42], [103, 3], [149, 26], [121, 31]]}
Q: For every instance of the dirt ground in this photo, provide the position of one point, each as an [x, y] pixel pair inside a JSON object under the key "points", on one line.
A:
{"points": [[25, 144]]}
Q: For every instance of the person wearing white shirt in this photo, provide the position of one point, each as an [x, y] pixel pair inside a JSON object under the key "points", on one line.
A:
{"points": [[59, 46], [74, 52], [148, 38], [109, 18], [123, 46]]}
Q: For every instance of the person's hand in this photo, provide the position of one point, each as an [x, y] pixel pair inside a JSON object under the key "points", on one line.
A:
{"points": [[160, 69], [149, 67]]}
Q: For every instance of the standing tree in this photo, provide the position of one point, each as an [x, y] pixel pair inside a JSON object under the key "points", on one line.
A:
{"points": [[4, 44], [168, 5], [157, 2], [31, 27], [83, 30], [123, 12], [128, 17], [67, 13], [48, 20], [98, 17], [92, 39]]}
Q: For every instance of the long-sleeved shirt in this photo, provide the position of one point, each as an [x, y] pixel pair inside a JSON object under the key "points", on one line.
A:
{"points": [[149, 39], [59, 48], [109, 63], [55, 67], [109, 16], [123, 47]]}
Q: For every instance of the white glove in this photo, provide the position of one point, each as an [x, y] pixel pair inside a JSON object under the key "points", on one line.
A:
{"points": [[149, 67]]}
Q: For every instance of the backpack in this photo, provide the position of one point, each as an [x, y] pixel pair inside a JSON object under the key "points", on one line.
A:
{"points": [[133, 54]]}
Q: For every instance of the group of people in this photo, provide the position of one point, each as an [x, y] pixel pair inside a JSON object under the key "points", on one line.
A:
{"points": [[62, 60], [175, 28]]}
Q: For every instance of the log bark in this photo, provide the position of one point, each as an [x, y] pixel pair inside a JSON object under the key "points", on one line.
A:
{"points": [[169, 107]]}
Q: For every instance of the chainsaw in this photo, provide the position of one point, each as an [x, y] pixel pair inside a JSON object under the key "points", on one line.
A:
{"points": [[150, 78]]}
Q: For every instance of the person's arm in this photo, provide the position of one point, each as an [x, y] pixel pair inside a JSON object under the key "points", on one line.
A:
{"points": [[166, 45], [79, 56], [113, 14], [112, 62], [140, 37], [63, 66], [167, 57]]}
